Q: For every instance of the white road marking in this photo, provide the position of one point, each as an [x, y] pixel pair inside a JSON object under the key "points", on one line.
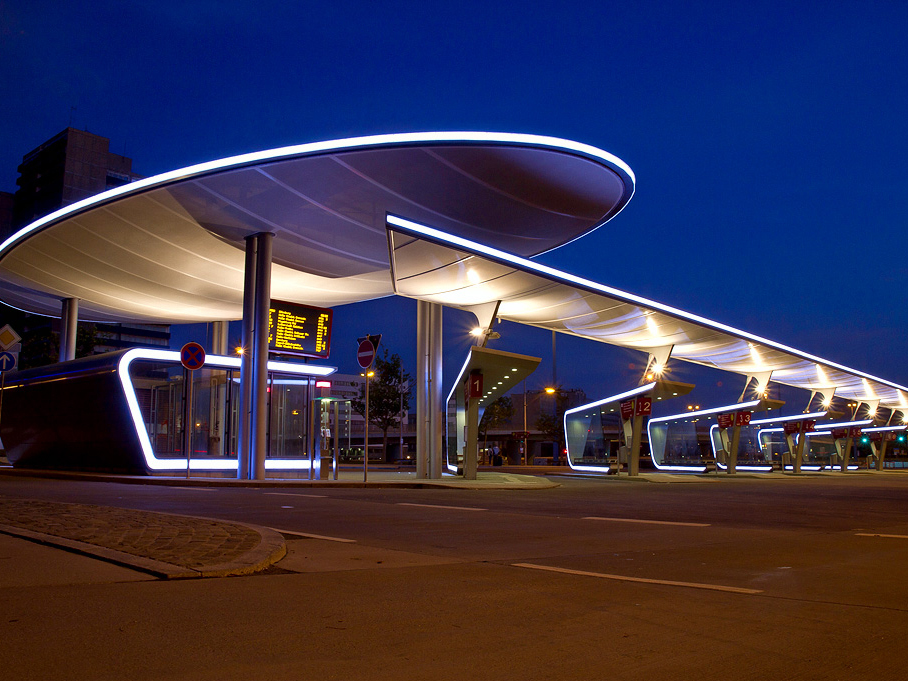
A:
{"points": [[623, 578], [313, 536], [294, 494], [647, 522], [874, 534], [453, 508]]}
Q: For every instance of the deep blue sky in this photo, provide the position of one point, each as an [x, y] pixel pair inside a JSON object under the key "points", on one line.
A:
{"points": [[768, 139]]}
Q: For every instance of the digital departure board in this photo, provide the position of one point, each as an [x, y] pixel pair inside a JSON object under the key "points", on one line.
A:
{"points": [[299, 330]]}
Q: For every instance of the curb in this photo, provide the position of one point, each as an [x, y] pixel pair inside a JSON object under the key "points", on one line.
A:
{"points": [[168, 481], [271, 548]]}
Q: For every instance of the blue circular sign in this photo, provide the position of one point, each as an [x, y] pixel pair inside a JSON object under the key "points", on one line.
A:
{"points": [[192, 356]]}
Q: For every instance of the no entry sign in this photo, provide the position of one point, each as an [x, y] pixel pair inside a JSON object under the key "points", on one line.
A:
{"points": [[365, 354]]}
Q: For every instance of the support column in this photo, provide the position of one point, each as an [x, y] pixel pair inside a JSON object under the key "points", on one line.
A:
{"points": [[881, 455], [731, 459], [219, 333], [422, 388], [430, 411], [472, 444], [437, 408], [217, 413], [246, 367], [633, 457], [69, 324], [259, 410], [846, 453], [799, 452]]}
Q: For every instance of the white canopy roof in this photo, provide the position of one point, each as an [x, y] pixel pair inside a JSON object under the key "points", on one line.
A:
{"points": [[431, 265], [170, 248]]}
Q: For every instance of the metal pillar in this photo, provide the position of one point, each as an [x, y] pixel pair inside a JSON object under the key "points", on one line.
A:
{"points": [[69, 323], [430, 410], [246, 368], [219, 333], [472, 444], [259, 411], [438, 410], [422, 388]]}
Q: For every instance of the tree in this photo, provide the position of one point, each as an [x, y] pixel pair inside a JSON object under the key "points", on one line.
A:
{"points": [[387, 389], [41, 346], [496, 414]]}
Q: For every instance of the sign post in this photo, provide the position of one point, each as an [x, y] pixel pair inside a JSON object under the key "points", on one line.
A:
{"points": [[9, 357], [365, 356], [192, 357]]}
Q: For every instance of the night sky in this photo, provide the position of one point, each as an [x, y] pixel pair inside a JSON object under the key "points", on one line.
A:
{"points": [[768, 139]]}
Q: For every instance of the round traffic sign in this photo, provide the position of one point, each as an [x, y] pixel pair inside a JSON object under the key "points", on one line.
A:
{"points": [[192, 356], [365, 354]]}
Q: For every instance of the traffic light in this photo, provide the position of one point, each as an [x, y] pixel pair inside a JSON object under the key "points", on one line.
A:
{"points": [[901, 437], [864, 439]]}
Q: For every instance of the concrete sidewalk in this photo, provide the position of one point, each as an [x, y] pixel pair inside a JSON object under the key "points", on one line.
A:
{"points": [[161, 544]]}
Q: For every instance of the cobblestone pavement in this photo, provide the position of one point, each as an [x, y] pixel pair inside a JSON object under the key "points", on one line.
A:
{"points": [[164, 544]]}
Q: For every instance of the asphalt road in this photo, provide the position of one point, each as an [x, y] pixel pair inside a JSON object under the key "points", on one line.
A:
{"points": [[750, 578]]}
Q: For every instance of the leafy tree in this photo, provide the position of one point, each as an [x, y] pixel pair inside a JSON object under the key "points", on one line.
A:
{"points": [[496, 414], [387, 388], [41, 347]]}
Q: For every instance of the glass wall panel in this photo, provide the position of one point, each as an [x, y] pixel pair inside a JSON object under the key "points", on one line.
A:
{"points": [[595, 436]]}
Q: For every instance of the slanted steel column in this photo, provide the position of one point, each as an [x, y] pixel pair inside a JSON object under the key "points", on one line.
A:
{"points": [[244, 428], [731, 458], [881, 454], [69, 324], [259, 411], [633, 456], [846, 452]]}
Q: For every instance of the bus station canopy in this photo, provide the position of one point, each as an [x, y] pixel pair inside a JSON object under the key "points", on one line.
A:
{"points": [[171, 248]]}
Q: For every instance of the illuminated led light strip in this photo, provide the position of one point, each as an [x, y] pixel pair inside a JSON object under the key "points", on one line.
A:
{"points": [[302, 150], [153, 462], [463, 369], [884, 429], [702, 412], [785, 419], [592, 405], [738, 406], [614, 398], [503, 257]]}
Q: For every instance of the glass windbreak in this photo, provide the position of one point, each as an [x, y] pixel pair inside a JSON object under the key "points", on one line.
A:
{"points": [[455, 438], [775, 448], [160, 391], [750, 446], [680, 441], [594, 435]]}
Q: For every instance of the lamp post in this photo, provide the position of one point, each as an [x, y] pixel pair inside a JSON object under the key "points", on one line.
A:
{"points": [[556, 392]]}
